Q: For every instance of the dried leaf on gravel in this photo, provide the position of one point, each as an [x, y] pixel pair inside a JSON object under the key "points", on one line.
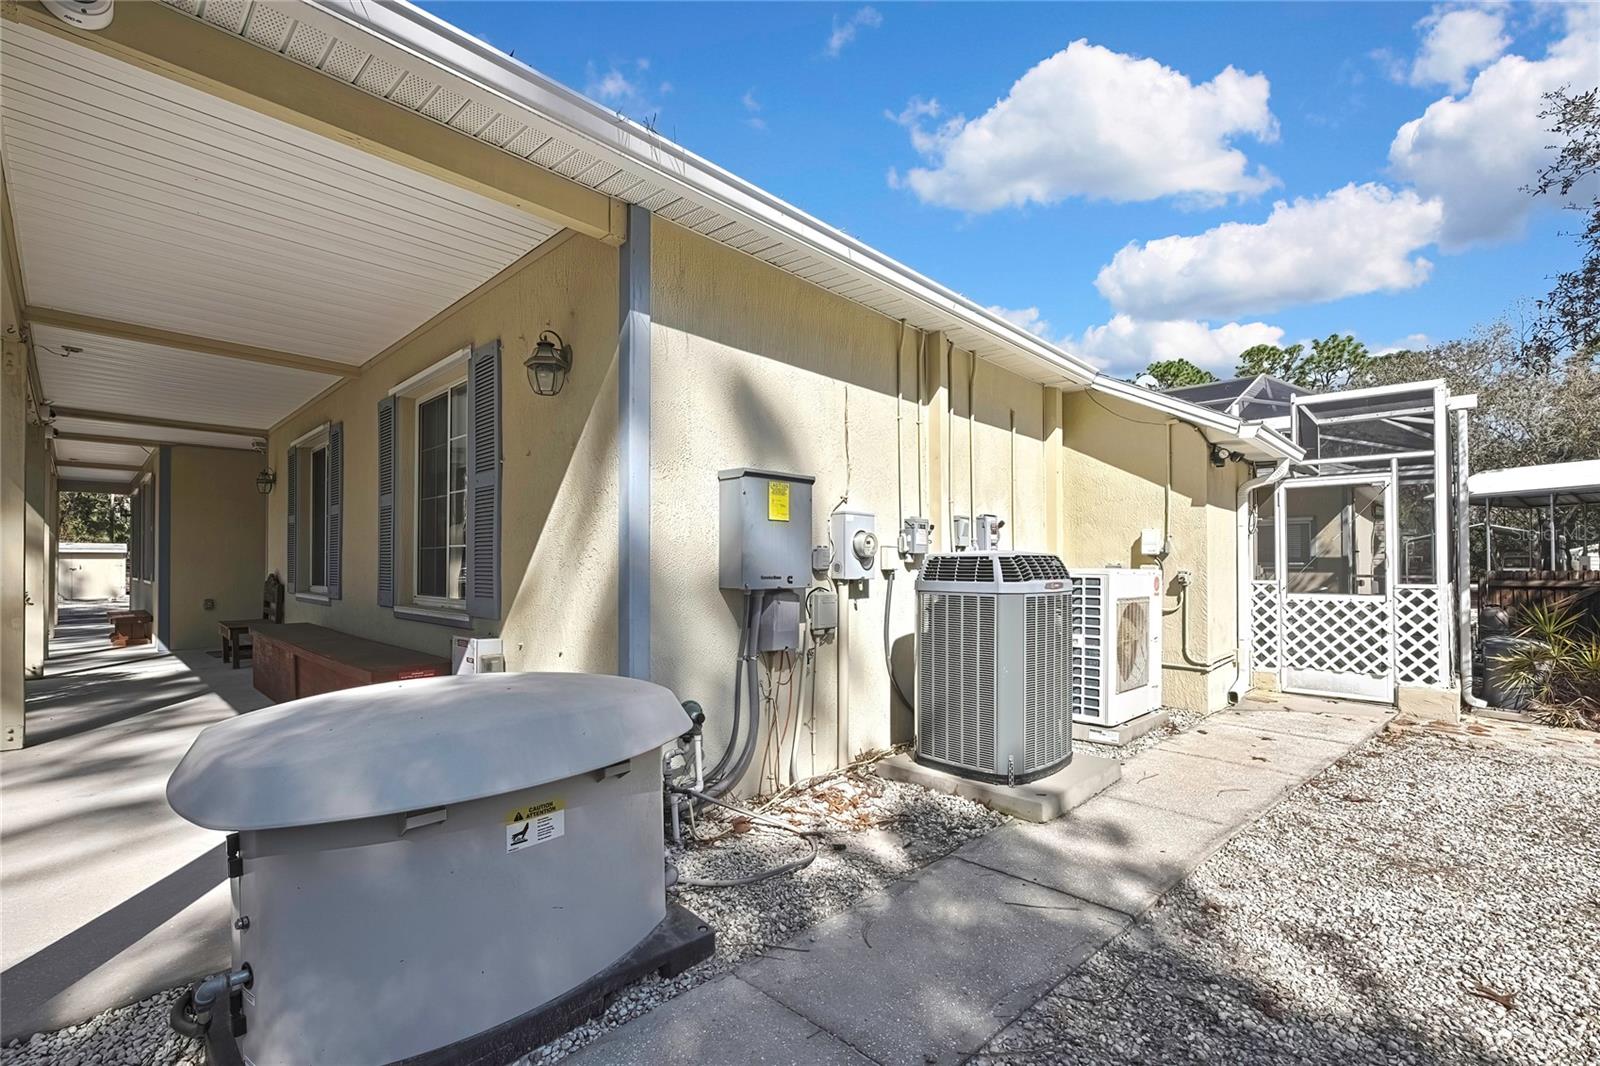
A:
{"points": [[1356, 797], [1508, 1000]]}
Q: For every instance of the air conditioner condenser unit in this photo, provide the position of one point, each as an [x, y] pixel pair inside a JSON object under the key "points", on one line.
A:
{"points": [[993, 646], [1116, 644]]}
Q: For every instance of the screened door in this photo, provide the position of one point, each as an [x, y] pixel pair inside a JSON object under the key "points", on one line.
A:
{"points": [[1334, 546]]}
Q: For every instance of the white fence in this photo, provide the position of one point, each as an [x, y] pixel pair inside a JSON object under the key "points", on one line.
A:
{"points": [[91, 572]]}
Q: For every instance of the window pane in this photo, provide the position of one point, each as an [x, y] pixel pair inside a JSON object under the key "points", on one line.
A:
{"points": [[319, 516], [457, 573], [1266, 553], [441, 495], [430, 572], [1414, 519], [1334, 539]]}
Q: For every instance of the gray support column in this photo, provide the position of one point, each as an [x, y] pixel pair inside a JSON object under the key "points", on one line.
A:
{"points": [[1554, 566], [1463, 502], [633, 450], [163, 588], [36, 551]]}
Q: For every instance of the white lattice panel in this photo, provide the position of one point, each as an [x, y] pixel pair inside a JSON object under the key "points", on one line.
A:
{"points": [[1417, 635], [1337, 634], [1264, 624]]}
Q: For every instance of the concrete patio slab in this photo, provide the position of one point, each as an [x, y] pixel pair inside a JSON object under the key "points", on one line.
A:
{"points": [[1118, 854], [1037, 801], [1307, 716], [725, 1022], [1244, 744], [106, 895], [1209, 789], [926, 971]]}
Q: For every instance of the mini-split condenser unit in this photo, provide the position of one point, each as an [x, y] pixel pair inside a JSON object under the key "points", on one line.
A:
{"points": [[993, 648], [1116, 644]]}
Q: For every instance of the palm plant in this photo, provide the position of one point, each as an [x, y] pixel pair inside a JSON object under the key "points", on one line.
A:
{"points": [[1558, 665]]}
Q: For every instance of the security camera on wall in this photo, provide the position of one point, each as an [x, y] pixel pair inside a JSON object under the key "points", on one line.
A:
{"points": [[84, 14]]}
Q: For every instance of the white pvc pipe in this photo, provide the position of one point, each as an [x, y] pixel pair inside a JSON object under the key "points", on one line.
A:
{"points": [[1464, 565]]}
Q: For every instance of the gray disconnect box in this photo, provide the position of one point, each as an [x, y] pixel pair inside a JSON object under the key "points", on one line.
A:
{"points": [[765, 537]]}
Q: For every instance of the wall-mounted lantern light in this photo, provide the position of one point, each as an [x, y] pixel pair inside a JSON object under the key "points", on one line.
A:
{"points": [[549, 363], [265, 480]]}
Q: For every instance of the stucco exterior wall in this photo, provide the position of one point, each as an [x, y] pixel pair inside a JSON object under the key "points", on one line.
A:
{"points": [[558, 519], [1115, 485], [218, 542], [752, 367], [92, 571]]}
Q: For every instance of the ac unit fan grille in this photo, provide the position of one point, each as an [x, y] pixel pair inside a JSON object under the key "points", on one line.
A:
{"points": [[956, 679], [1047, 727], [1032, 568], [960, 567], [1133, 644], [1088, 646]]}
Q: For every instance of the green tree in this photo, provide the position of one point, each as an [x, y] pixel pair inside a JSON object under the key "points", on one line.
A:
{"points": [[1568, 326], [1331, 363], [93, 518], [1176, 373]]}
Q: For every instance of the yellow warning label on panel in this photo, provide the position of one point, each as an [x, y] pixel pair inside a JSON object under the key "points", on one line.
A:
{"points": [[535, 810], [777, 501]]}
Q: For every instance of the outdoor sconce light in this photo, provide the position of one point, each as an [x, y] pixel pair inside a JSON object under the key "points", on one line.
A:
{"points": [[265, 480], [549, 363]]}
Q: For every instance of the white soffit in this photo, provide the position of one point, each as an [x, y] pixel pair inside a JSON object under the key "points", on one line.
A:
{"points": [[152, 435], [135, 378], [142, 200], [83, 451], [109, 477]]}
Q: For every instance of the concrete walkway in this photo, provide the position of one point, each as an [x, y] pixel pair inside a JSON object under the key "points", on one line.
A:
{"points": [[105, 894], [930, 969]]}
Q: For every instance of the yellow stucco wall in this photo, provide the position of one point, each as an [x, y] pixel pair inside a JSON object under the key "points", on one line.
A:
{"points": [[218, 542], [755, 368], [559, 479], [1115, 476]]}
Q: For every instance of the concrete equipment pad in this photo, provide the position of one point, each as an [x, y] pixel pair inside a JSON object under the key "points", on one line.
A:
{"points": [[1037, 801], [929, 969], [1122, 734], [725, 1022], [1118, 854]]}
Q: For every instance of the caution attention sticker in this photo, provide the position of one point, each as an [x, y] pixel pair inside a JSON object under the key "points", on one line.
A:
{"points": [[535, 824]]}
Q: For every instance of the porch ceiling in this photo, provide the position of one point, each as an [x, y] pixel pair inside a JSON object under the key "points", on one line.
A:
{"points": [[148, 205], [134, 378], [88, 452]]}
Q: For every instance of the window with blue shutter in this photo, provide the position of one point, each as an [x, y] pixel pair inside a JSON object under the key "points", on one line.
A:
{"points": [[293, 493], [334, 564], [483, 481], [386, 429]]}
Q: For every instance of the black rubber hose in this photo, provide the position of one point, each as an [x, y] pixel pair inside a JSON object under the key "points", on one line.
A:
{"points": [[714, 774], [182, 1021], [222, 1048]]}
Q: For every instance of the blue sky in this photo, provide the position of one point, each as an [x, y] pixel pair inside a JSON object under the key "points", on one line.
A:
{"points": [[1108, 173]]}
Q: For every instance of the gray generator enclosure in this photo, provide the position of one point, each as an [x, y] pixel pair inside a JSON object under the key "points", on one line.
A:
{"points": [[423, 861], [993, 644], [764, 539]]}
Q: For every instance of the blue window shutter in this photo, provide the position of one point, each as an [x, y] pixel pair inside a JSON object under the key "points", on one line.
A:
{"points": [[483, 481], [386, 502], [294, 519], [336, 511]]}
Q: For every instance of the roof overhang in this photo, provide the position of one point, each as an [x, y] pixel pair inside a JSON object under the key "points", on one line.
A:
{"points": [[1535, 486]]}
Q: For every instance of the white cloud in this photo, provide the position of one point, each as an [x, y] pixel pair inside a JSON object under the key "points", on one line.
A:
{"points": [[752, 108], [1358, 239], [1457, 42], [623, 86], [1027, 318], [1126, 345], [1479, 150], [1411, 342], [1095, 123], [845, 32]]}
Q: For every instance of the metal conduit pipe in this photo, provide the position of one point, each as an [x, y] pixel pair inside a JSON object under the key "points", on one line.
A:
{"points": [[1190, 664], [715, 773], [1245, 567]]}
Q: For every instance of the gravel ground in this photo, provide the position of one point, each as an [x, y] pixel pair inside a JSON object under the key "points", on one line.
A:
{"points": [[873, 832], [1178, 721], [1429, 899]]}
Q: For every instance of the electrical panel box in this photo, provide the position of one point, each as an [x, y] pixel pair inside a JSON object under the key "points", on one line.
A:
{"points": [[779, 628], [765, 536], [916, 538], [855, 544], [477, 655], [1152, 543], [824, 612]]}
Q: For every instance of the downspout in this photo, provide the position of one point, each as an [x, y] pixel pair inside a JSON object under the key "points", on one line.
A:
{"points": [[1241, 680], [1464, 649]]}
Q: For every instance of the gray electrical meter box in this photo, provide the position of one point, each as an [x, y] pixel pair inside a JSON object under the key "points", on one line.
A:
{"points": [[765, 536], [465, 854]]}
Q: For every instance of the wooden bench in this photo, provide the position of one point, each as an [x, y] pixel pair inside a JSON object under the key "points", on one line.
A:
{"points": [[129, 628], [300, 659], [235, 633]]}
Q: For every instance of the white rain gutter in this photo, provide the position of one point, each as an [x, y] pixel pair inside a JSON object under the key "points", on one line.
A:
{"points": [[1245, 568], [637, 149]]}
